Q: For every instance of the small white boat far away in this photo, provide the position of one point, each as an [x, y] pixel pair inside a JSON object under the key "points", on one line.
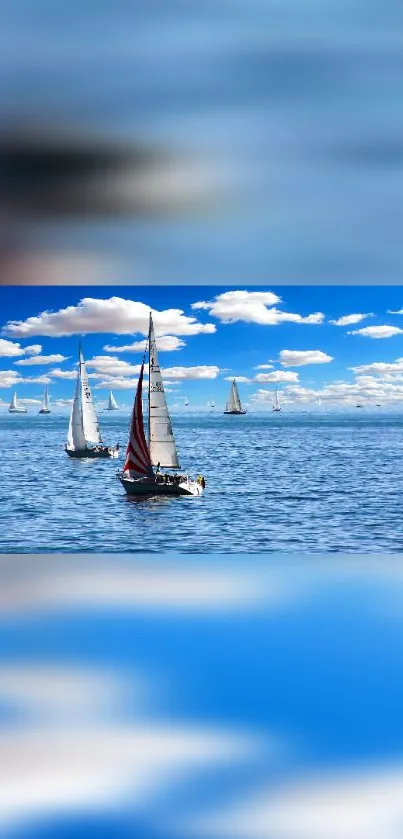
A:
{"points": [[234, 405], [84, 437], [112, 404], [159, 452], [15, 407], [276, 403], [45, 404]]}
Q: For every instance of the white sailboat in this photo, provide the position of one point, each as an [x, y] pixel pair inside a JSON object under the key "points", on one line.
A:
{"points": [[112, 404], [45, 404], [186, 402], [234, 405], [15, 407], [159, 452], [84, 437], [276, 403]]}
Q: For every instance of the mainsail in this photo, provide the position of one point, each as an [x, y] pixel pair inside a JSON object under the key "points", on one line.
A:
{"points": [[138, 463], [112, 404], [161, 439], [91, 430], [83, 427], [234, 402], [276, 403], [14, 402], [75, 436], [45, 403]]}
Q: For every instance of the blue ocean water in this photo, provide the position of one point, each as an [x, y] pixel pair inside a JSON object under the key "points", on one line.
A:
{"points": [[290, 482]]}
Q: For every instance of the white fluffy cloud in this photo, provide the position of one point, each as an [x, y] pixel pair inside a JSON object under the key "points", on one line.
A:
{"points": [[109, 365], [298, 358], [381, 368], [39, 380], [242, 379], [42, 359], [377, 331], [348, 320], [114, 315], [277, 376], [117, 383], [252, 307], [264, 367], [166, 343], [63, 374], [203, 371], [8, 378], [33, 349], [10, 349]]}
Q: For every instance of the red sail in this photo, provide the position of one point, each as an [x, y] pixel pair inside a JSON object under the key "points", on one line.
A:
{"points": [[138, 463]]}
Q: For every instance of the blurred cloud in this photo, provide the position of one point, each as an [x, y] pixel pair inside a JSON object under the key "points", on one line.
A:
{"points": [[363, 805], [249, 139], [115, 584]]}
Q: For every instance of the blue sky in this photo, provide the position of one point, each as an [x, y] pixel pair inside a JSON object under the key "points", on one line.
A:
{"points": [[289, 337]]}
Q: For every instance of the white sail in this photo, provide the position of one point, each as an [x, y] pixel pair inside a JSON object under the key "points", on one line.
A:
{"points": [[75, 436], [112, 404], [234, 402], [276, 402], [15, 407], [45, 403], [91, 430], [161, 439], [186, 402]]}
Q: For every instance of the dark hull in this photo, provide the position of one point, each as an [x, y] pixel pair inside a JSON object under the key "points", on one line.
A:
{"points": [[44, 411], [235, 412], [149, 487], [91, 453]]}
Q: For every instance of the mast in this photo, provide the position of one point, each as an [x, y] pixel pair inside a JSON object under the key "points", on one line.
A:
{"points": [[161, 444]]}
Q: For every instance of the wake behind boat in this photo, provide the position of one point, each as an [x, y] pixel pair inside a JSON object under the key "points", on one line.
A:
{"points": [[234, 405], [15, 407], [138, 476], [84, 437]]}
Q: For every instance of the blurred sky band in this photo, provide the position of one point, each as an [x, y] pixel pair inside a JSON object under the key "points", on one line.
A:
{"points": [[176, 141]]}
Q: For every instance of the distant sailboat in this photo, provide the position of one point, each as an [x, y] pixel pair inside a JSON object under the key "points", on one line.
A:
{"points": [[138, 476], [276, 403], [112, 404], [15, 407], [84, 437], [212, 404], [234, 405], [45, 404], [186, 402]]}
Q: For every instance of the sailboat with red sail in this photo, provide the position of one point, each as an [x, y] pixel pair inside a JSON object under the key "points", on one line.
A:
{"points": [[144, 472]]}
